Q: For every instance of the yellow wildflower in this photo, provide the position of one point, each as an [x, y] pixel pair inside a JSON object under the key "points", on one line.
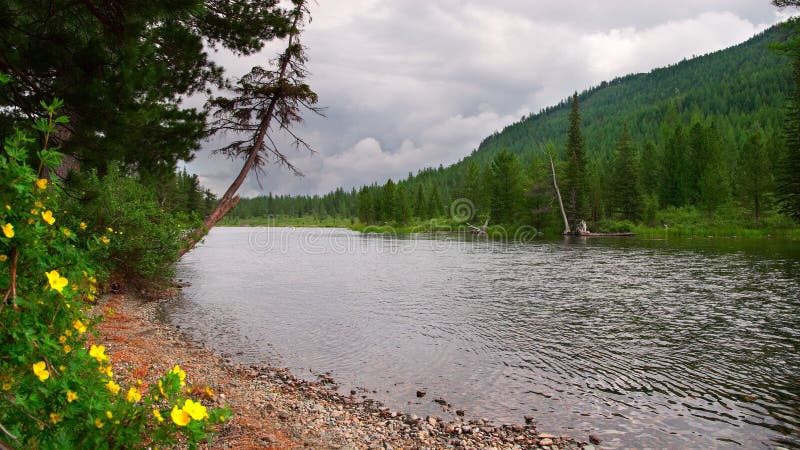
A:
{"points": [[55, 418], [38, 204], [98, 423], [113, 387], [92, 280], [57, 282], [67, 333], [41, 183], [83, 225], [3, 258], [181, 374], [110, 230], [40, 370], [35, 212], [67, 233], [8, 230], [157, 415], [109, 414], [30, 221], [62, 339], [79, 326], [90, 297], [71, 396], [180, 417], [209, 392], [48, 217], [98, 352], [107, 370], [196, 410], [133, 395], [105, 239], [161, 389], [67, 349], [6, 386]]}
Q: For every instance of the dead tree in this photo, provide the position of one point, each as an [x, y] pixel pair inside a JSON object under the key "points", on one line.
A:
{"points": [[266, 100], [558, 195]]}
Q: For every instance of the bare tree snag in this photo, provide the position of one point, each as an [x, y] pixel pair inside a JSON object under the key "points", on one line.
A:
{"points": [[558, 195], [264, 98]]}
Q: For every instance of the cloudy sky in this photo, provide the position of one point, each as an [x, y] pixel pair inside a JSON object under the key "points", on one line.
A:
{"points": [[416, 83]]}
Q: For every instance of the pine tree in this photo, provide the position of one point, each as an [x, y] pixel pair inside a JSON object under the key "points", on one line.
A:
{"points": [[435, 202], [387, 201], [626, 191], [575, 177], [541, 194], [788, 179], [366, 210], [420, 205], [402, 208], [506, 188], [755, 177]]}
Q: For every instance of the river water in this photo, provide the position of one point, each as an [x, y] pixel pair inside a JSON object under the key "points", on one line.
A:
{"points": [[646, 343]]}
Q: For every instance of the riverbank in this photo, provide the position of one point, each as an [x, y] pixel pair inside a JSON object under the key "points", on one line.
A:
{"points": [[274, 409]]}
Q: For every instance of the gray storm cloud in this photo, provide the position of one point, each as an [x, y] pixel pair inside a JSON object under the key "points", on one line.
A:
{"points": [[414, 84]]}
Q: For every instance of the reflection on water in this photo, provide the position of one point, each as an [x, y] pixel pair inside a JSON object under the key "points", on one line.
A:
{"points": [[646, 343]]}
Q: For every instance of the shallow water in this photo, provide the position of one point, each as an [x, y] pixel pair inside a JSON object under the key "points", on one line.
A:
{"points": [[647, 343]]}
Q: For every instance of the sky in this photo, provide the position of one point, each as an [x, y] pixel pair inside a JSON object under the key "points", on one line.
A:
{"points": [[417, 83]]}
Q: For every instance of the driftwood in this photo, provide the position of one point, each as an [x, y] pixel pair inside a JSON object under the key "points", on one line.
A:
{"points": [[479, 231], [558, 194]]}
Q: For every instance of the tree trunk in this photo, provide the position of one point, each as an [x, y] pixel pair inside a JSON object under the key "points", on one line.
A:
{"points": [[230, 198], [558, 195]]}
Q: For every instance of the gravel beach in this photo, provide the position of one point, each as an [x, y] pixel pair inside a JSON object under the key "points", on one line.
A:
{"points": [[274, 409]]}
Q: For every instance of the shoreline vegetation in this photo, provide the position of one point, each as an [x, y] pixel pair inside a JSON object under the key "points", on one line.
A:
{"points": [[272, 408], [688, 229]]}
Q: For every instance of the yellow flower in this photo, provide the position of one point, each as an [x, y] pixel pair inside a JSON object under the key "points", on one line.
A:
{"points": [[83, 225], [109, 414], [110, 230], [67, 349], [133, 395], [79, 326], [157, 414], [98, 352], [3, 258], [35, 212], [8, 207], [55, 418], [181, 374], [67, 333], [48, 217], [40, 370], [90, 297], [71, 396], [41, 183], [8, 230], [62, 339], [67, 233], [195, 409], [180, 417], [161, 389], [57, 282], [38, 204], [105, 240], [98, 423], [30, 221], [92, 280], [209, 392], [113, 387], [106, 370], [6, 386]]}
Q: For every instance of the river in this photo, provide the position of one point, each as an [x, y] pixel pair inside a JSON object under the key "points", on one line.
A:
{"points": [[673, 343]]}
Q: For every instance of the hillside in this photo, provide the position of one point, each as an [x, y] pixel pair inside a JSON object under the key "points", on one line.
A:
{"points": [[732, 92]]}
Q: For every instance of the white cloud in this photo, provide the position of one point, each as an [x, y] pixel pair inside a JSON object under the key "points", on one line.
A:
{"points": [[415, 83]]}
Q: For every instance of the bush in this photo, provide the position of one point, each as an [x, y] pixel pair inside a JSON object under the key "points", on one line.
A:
{"points": [[147, 235], [56, 390]]}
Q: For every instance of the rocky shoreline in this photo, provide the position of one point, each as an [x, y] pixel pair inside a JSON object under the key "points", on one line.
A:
{"points": [[275, 409]]}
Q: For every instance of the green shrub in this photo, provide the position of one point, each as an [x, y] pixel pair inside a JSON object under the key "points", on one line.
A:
{"points": [[56, 390], [144, 237]]}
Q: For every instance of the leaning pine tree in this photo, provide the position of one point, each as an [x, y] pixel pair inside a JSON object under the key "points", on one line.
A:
{"points": [[266, 100]]}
